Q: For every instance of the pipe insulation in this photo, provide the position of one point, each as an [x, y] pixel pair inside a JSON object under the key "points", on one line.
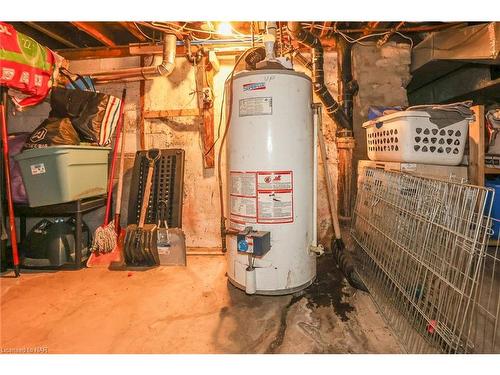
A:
{"points": [[165, 68], [333, 109]]}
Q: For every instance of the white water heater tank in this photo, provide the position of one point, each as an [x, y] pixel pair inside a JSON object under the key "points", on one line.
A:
{"points": [[271, 180]]}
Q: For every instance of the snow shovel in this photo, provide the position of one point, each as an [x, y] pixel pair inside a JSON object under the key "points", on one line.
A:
{"points": [[141, 239], [171, 241]]}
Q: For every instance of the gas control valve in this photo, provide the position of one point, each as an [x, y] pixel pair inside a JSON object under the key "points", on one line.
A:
{"points": [[254, 242]]}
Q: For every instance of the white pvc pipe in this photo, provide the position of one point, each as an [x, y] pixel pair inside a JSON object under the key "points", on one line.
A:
{"points": [[250, 281], [315, 177]]}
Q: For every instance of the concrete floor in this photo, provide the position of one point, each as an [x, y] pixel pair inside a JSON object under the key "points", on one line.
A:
{"points": [[185, 310]]}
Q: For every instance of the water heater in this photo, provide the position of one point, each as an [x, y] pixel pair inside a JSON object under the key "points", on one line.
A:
{"points": [[271, 197]]}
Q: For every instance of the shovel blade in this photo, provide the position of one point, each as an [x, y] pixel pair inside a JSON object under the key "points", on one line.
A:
{"points": [[141, 246]]}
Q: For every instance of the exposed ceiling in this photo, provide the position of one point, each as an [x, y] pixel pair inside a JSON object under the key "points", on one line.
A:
{"points": [[70, 35]]}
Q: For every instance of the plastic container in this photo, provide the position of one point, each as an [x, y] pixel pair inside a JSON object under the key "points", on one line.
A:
{"points": [[494, 183], [60, 174], [410, 137]]}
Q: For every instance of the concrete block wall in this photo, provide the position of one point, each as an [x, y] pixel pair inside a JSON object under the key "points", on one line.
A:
{"points": [[381, 74]]}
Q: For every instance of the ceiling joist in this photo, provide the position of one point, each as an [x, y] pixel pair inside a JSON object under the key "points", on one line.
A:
{"points": [[51, 34], [132, 29], [95, 31]]}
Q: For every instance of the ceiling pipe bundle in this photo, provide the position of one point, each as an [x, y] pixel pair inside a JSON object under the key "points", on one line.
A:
{"points": [[165, 68], [332, 107]]}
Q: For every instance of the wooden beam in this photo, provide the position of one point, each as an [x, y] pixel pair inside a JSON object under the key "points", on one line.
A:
{"points": [[152, 115], [51, 34], [94, 53], [476, 147], [371, 26], [204, 84], [130, 27], [95, 31], [153, 49], [134, 49]]}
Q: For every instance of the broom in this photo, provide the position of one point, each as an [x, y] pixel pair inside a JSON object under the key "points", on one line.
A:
{"points": [[8, 186], [105, 236], [339, 252]]}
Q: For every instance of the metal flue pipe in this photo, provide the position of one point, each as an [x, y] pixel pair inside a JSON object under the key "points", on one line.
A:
{"points": [[332, 108], [165, 68]]}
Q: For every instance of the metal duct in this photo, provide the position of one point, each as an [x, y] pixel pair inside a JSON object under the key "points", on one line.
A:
{"points": [[165, 68], [446, 51], [332, 107]]}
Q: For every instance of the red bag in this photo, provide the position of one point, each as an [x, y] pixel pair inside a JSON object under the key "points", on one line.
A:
{"points": [[25, 65]]}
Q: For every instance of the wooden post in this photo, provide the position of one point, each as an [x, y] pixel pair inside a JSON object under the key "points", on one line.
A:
{"points": [[476, 147], [204, 83], [345, 147]]}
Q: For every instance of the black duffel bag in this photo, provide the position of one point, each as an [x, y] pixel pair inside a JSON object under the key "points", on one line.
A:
{"points": [[94, 115], [53, 132]]}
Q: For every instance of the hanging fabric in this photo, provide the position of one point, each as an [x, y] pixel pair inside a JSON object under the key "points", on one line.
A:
{"points": [[26, 67]]}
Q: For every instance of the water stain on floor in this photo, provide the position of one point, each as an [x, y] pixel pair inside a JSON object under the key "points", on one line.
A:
{"points": [[328, 290]]}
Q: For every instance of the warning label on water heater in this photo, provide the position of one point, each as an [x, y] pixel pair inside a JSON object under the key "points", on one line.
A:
{"points": [[243, 199], [263, 197], [275, 197], [256, 106]]}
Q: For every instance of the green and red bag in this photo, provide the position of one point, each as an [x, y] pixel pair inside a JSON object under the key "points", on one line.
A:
{"points": [[25, 65]]}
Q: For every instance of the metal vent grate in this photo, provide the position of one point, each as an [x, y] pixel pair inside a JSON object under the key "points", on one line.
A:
{"points": [[167, 187]]}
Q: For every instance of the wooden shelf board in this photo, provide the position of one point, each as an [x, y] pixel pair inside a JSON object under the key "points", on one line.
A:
{"points": [[490, 170]]}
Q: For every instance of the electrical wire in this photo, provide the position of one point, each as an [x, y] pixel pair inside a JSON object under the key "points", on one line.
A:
{"points": [[406, 37], [230, 78], [172, 26], [184, 29], [358, 40], [223, 101], [142, 32]]}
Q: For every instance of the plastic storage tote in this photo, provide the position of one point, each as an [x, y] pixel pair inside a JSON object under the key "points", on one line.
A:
{"points": [[61, 174], [410, 137], [494, 183]]}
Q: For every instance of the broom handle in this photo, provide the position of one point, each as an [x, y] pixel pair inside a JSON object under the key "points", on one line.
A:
{"points": [[147, 193], [5, 143], [120, 186], [329, 184], [113, 159]]}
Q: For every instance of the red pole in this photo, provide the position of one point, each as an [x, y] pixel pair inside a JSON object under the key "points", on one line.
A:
{"points": [[12, 221], [113, 159]]}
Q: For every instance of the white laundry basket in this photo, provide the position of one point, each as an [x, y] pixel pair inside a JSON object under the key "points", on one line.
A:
{"points": [[410, 137]]}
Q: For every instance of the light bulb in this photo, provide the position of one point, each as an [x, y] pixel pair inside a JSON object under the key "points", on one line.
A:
{"points": [[224, 28]]}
